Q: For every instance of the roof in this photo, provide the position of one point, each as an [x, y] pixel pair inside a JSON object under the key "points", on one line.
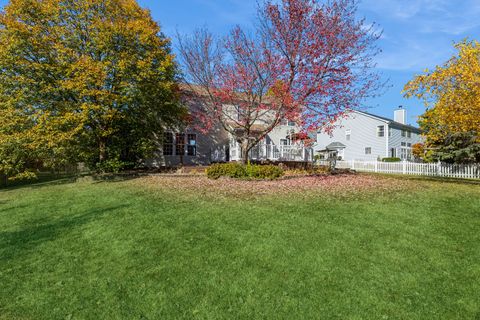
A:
{"points": [[253, 128], [335, 145], [390, 121], [199, 90]]}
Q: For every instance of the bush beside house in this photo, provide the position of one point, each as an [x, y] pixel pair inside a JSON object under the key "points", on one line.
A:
{"points": [[391, 160], [239, 171]]}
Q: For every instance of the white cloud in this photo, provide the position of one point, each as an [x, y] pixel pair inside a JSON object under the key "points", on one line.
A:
{"points": [[429, 16], [421, 32]]}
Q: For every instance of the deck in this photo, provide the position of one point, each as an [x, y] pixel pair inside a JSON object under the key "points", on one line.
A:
{"points": [[274, 153]]}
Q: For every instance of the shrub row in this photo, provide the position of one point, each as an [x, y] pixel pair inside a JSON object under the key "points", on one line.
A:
{"points": [[239, 171], [391, 160]]}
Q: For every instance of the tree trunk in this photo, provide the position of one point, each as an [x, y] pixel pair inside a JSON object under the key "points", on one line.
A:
{"points": [[244, 154], [3, 180], [102, 148]]}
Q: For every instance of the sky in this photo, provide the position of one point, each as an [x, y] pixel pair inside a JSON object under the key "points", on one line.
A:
{"points": [[417, 34]]}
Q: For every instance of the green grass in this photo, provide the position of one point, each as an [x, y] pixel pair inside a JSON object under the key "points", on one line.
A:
{"points": [[118, 250]]}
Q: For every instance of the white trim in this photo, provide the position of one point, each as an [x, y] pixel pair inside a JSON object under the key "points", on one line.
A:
{"points": [[387, 136], [370, 116]]}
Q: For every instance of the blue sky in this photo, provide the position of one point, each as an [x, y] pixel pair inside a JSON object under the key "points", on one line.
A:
{"points": [[417, 34]]}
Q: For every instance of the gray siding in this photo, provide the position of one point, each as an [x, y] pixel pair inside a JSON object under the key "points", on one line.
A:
{"points": [[281, 132], [216, 141], [363, 135], [396, 139], [363, 129]]}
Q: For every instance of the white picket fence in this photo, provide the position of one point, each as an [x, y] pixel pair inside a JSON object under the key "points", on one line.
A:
{"points": [[471, 171]]}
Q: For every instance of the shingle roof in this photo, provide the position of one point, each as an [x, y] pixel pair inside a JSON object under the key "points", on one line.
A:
{"points": [[335, 145], [391, 121]]}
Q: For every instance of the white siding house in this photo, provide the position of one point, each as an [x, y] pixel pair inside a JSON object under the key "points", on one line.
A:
{"points": [[364, 136]]}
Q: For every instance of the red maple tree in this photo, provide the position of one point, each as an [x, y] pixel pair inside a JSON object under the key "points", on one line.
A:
{"points": [[307, 61]]}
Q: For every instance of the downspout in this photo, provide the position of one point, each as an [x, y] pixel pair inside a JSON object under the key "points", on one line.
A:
{"points": [[387, 137]]}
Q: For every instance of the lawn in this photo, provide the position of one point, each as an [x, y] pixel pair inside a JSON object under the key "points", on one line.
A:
{"points": [[343, 247]]}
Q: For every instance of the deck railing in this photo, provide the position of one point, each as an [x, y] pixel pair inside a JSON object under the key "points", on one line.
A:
{"points": [[275, 153]]}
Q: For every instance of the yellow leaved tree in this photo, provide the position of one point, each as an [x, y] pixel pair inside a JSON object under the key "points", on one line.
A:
{"points": [[451, 94], [91, 80]]}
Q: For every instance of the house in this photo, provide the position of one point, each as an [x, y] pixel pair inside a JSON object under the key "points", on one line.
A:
{"points": [[365, 136], [190, 147]]}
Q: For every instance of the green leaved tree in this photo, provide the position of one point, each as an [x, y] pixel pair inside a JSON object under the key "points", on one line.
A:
{"points": [[91, 80]]}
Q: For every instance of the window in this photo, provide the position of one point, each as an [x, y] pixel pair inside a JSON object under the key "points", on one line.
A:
{"points": [[168, 144], [381, 131], [393, 152], [192, 144], [284, 142], [368, 150], [409, 145], [286, 122], [404, 144], [180, 144], [348, 134], [404, 133], [405, 153], [409, 134], [240, 115]]}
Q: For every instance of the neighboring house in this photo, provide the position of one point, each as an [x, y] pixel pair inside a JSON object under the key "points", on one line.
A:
{"points": [[190, 147], [364, 136]]}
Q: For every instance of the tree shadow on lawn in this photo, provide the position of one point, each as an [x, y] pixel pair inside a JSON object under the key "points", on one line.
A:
{"points": [[52, 181], [428, 179], [7, 209], [114, 177], [13, 243]]}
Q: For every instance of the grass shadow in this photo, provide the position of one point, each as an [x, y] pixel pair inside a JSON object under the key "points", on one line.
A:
{"points": [[13, 243], [61, 180], [427, 178], [119, 177], [40, 183], [5, 210]]}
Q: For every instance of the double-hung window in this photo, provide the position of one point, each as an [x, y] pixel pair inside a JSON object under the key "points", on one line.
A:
{"points": [[180, 144], [381, 131], [368, 150], [409, 134], [404, 133], [168, 144], [191, 144], [348, 134]]}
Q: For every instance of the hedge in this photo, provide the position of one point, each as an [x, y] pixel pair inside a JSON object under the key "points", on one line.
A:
{"points": [[239, 171], [391, 160]]}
